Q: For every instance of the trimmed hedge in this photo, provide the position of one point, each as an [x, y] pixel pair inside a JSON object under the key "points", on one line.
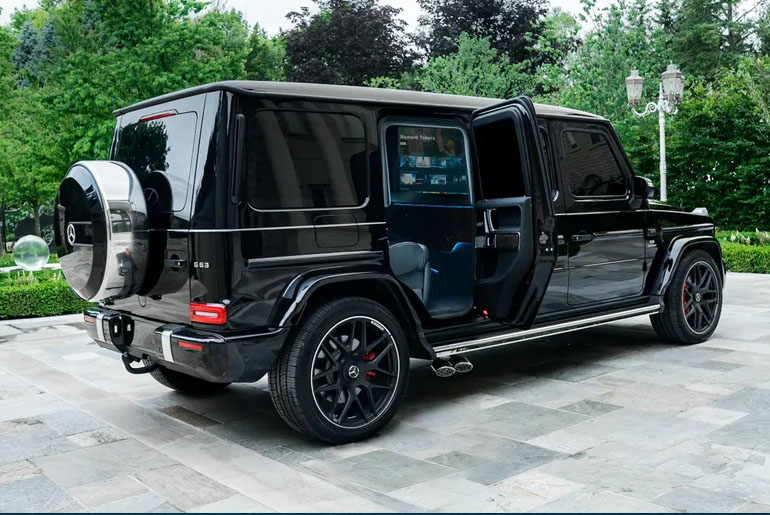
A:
{"points": [[746, 258], [39, 300]]}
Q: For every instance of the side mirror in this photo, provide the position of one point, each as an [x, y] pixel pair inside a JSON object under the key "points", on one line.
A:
{"points": [[643, 191]]}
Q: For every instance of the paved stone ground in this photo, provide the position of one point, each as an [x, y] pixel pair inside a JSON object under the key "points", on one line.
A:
{"points": [[604, 420]]}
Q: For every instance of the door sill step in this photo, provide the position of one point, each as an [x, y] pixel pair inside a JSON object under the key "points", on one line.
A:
{"points": [[489, 342]]}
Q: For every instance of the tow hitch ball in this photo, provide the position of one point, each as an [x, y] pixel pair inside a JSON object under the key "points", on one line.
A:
{"points": [[128, 359]]}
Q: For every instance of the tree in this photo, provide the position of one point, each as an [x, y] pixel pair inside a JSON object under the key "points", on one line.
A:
{"points": [[267, 57], [347, 42], [711, 34], [475, 69], [507, 24], [720, 147]]}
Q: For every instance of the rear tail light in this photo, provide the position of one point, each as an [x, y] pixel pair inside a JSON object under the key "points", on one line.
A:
{"points": [[157, 116], [190, 346], [88, 320], [208, 313]]}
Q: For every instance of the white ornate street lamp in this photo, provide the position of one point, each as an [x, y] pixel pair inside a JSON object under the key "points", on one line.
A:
{"points": [[669, 94]]}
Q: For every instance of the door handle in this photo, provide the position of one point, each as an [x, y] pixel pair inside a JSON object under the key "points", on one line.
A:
{"points": [[582, 237], [175, 264]]}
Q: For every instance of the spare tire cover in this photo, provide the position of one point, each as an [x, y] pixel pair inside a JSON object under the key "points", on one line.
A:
{"points": [[102, 230]]}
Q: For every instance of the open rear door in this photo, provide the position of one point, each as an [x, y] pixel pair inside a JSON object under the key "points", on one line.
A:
{"points": [[516, 225]]}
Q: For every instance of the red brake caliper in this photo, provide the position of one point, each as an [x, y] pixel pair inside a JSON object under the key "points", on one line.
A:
{"points": [[684, 297], [371, 374]]}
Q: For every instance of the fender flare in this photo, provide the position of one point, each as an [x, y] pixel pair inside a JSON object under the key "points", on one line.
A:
{"points": [[300, 290], [673, 256]]}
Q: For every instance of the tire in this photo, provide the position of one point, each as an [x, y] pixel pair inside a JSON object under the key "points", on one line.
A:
{"points": [[327, 388], [691, 310], [184, 383]]}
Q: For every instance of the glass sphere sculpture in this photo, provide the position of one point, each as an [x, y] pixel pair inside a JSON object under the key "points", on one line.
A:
{"points": [[31, 253]]}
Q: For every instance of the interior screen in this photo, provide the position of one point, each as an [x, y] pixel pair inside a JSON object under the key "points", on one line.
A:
{"points": [[430, 160]]}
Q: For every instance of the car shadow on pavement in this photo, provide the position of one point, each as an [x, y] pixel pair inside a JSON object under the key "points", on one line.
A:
{"points": [[550, 372]]}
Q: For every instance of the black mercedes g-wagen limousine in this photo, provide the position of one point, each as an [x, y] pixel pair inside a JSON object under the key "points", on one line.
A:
{"points": [[323, 235]]}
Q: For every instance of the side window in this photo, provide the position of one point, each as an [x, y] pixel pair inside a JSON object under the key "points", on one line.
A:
{"points": [[553, 185], [305, 160], [427, 164], [592, 170], [159, 149]]}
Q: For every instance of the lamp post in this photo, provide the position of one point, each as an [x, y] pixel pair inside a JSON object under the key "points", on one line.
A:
{"points": [[670, 94]]}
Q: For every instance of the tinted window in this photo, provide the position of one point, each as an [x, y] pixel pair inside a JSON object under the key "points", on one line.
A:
{"points": [[301, 160], [427, 164], [592, 169], [160, 152]]}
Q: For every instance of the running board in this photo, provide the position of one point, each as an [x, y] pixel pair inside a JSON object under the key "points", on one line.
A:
{"points": [[489, 342]]}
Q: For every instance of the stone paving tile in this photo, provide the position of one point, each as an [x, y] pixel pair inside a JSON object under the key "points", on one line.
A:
{"points": [[374, 470], [69, 422], [35, 494], [598, 501], [590, 408], [188, 416], [458, 460], [506, 458], [184, 487], [523, 421], [608, 419], [103, 492], [572, 371], [97, 437], [101, 462], [744, 433], [551, 393], [721, 366], [27, 438], [752, 507], [236, 504], [747, 400], [16, 471], [144, 502], [29, 406], [698, 500]]}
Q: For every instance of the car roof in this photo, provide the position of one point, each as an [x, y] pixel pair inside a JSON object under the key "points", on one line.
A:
{"points": [[357, 94]]}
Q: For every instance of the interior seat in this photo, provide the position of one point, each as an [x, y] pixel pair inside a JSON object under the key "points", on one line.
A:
{"points": [[410, 262]]}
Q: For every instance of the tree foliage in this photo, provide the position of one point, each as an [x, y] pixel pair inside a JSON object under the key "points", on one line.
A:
{"points": [[67, 64], [506, 24], [347, 42]]}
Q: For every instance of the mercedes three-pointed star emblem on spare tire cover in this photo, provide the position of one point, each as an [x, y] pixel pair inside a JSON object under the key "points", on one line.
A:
{"points": [[101, 230]]}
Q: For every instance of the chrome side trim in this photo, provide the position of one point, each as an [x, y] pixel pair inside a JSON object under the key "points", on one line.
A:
{"points": [[280, 228], [165, 343], [682, 227], [620, 233], [443, 351], [313, 257], [100, 327], [607, 263]]}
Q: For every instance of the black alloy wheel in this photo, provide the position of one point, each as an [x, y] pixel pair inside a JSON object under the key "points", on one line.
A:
{"points": [[692, 304], [700, 297], [355, 372], [342, 375]]}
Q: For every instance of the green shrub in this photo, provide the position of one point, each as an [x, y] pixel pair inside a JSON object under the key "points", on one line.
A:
{"points": [[39, 299], [7, 259], [746, 258]]}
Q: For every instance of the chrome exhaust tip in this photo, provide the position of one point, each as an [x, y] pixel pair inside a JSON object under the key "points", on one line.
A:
{"points": [[461, 364], [443, 367]]}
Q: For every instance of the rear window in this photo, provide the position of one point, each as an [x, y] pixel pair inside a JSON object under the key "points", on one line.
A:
{"points": [[160, 152], [305, 160]]}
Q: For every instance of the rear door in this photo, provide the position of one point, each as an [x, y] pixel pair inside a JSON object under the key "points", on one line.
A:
{"points": [[516, 228]]}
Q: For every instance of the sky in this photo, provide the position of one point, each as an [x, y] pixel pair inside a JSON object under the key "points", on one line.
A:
{"points": [[271, 14]]}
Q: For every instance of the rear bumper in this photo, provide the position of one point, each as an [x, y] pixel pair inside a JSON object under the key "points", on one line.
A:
{"points": [[218, 357]]}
